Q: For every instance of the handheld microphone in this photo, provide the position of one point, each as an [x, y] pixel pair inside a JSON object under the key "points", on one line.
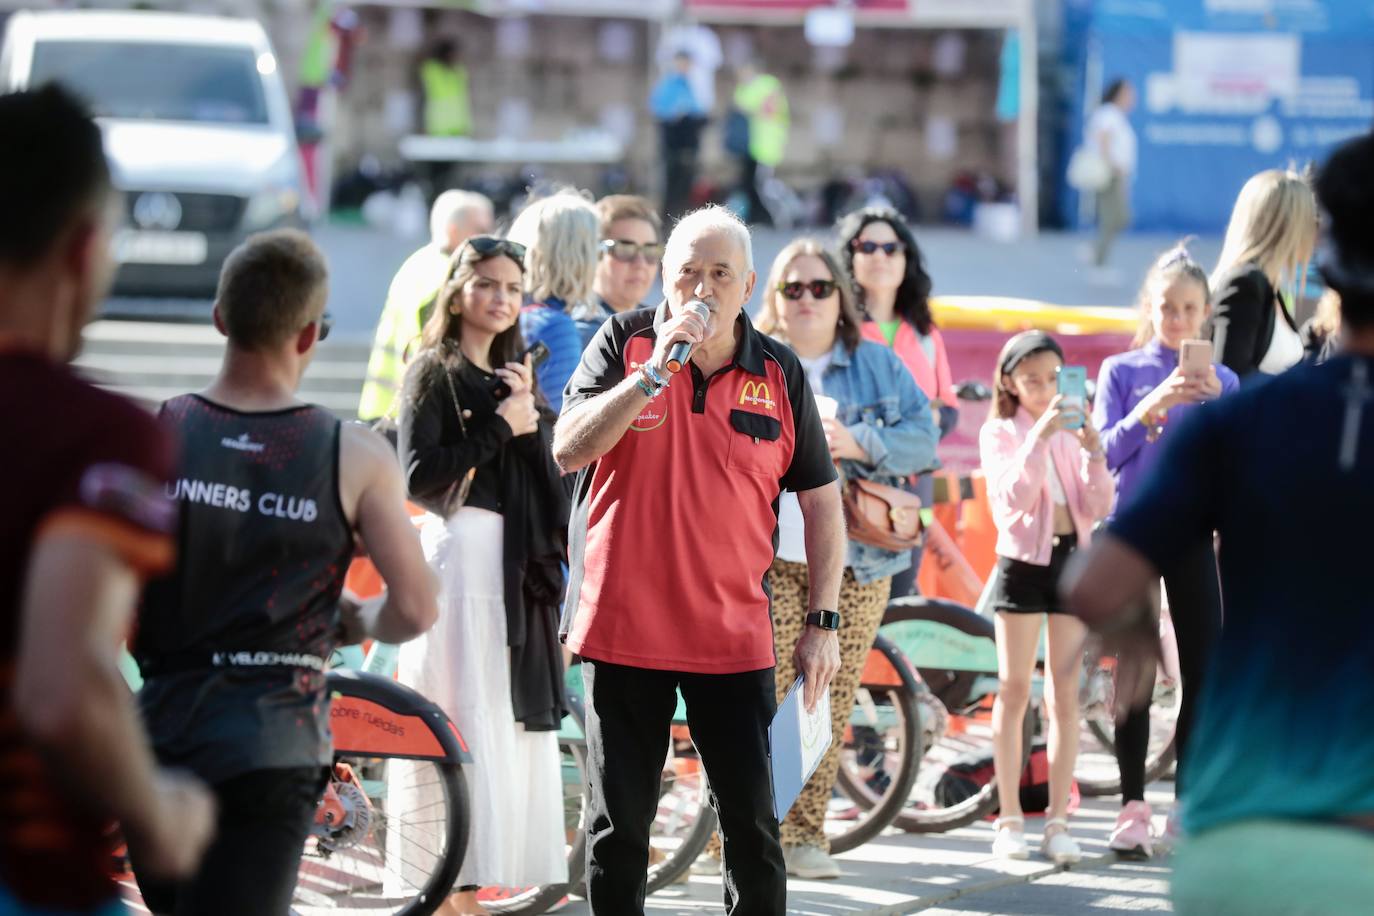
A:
{"points": [[682, 350]]}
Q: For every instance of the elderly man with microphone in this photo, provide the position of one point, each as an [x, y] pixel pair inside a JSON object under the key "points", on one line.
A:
{"points": [[674, 528]]}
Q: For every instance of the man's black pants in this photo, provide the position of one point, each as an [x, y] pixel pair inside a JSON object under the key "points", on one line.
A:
{"points": [[251, 865], [629, 714]]}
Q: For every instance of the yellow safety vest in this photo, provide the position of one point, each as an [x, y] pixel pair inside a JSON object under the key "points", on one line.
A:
{"points": [[409, 298], [447, 111], [763, 100]]}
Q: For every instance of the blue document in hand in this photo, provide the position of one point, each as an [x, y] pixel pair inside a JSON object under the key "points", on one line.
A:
{"points": [[797, 740]]}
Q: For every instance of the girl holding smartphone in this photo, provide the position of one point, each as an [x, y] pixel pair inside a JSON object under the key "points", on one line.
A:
{"points": [[1141, 394], [1047, 484]]}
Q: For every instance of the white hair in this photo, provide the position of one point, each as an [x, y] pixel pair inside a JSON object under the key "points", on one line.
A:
{"points": [[709, 220], [453, 207], [560, 233]]}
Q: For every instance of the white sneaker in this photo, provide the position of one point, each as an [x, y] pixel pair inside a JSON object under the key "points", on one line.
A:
{"points": [[810, 862], [1059, 847], [1009, 842]]}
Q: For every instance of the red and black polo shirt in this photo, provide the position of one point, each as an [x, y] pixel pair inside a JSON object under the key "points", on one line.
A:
{"points": [[675, 527]]}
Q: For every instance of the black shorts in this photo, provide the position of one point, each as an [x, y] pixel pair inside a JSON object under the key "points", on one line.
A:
{"points": [[1025, 588]]}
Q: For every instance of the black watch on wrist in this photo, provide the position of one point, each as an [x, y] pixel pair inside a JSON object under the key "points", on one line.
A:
{"points": [[826, 620]]}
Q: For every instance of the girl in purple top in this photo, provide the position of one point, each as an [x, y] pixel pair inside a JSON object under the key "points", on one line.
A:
{"points": [[1141, 394]]}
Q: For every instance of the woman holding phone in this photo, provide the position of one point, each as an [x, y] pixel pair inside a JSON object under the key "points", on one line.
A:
{"points": [[1047, 484], [879, 427], [471, 411], [1141, 394]]}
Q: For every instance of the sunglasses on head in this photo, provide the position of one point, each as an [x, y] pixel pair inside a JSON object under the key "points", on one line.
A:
{"points": [[820, 289], [489, 245], [867, 247], [626, 251]]}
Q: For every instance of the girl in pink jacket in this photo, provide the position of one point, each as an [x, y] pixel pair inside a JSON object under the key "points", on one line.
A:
{"points": [[1047, 485]]}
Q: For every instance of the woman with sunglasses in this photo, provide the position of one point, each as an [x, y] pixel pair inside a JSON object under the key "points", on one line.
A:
{"points": [[627, 262], [881, 254], [560, 234], [471, 411], [879, 427]]}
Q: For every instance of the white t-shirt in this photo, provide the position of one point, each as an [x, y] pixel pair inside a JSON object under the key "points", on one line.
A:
{"points": [[791, 525], [1121, 141], [1285, 349], [1056, 485]]}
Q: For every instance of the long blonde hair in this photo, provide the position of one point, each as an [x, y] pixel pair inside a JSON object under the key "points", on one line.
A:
{"points": [[560, 234], [1273, 226], [770, 312]]}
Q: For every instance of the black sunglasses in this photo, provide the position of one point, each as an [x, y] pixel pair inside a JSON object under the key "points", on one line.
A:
{"points": [[867, 247], [488, 245], [626, 251], [820, 289], [326, 322]]}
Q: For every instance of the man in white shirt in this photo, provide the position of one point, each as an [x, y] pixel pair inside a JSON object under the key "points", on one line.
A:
{"points": [[1110, 133]]}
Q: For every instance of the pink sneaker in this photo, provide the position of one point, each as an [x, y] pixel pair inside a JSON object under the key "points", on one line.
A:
{"points": [[1133, 837]]}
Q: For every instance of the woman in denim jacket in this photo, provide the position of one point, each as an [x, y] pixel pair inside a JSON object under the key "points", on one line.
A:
{"points": [[879, 427]]}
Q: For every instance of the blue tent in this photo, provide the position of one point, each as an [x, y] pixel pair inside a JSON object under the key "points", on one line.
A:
{"points": [[1226, 88]]}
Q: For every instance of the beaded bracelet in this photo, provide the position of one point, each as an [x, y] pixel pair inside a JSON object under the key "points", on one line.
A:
{"points": [[650, 382]]}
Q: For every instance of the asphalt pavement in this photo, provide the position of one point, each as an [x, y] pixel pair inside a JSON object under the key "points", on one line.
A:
{"points": [[1050, 267], [956, 873]]}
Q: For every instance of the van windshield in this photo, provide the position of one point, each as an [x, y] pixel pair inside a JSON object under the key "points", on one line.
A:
{"points": [[157, 82]]}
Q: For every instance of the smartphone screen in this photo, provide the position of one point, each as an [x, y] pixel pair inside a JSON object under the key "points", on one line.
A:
{"points": [[1195, 358], [1073, 386]]}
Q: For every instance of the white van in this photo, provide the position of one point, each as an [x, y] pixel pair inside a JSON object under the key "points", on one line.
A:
{"points": [[197, 129]]}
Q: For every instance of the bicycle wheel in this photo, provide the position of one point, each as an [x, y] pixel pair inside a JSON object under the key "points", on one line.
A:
{"points": [[1097, 771], [955, 652], [525, 901], [390, 834], [881, 749]]}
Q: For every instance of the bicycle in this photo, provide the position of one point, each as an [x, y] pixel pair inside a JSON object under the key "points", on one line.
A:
{"points": [[352, 858], [380, 665], [955, 655], [363, 851]]}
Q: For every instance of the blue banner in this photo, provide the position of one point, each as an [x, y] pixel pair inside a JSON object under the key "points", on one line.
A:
{"points": [[1221, 96]]}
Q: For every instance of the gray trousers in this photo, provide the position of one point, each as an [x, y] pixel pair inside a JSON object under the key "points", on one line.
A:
{"points": [[1113, 215]]}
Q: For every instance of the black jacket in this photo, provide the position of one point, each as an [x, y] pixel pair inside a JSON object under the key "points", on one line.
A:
{"points": [[533, 499], [1244, 320]]}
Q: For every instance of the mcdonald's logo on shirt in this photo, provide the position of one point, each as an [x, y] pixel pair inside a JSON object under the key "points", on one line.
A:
{"points": [[758, 394]]}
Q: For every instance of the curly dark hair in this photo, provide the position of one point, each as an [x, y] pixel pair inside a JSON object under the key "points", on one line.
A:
{"points": [[913, 296]]}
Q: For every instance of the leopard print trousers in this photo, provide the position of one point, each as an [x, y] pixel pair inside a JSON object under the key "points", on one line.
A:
{"points": [[861, 610]]}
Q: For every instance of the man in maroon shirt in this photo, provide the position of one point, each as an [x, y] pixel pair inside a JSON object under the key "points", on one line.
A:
{"points": [[674, 528], [83, 519]]}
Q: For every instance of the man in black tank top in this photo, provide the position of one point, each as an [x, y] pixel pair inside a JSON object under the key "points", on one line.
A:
{"points": [[233, 644]]}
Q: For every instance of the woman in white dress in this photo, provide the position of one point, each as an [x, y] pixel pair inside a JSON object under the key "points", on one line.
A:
{"points": [[492, 662]]}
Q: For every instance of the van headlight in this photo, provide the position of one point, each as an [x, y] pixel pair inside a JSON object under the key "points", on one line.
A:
{"points": [[270, 205]]}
